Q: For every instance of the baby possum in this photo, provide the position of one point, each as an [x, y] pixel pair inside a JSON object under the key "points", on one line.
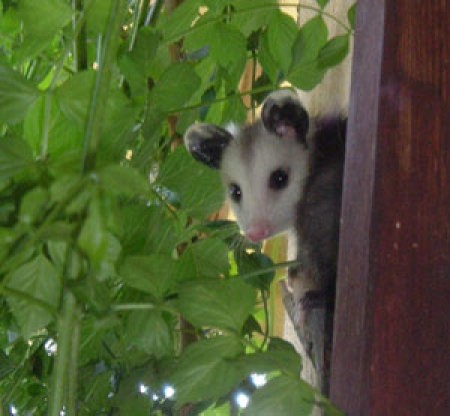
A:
{"points": [[284, 172]]}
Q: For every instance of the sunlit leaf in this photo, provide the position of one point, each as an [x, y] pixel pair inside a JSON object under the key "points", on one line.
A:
{"points": [[267, 60], [322, 3], [351, 15], [334, 51], [281, 35], [305, 72]]}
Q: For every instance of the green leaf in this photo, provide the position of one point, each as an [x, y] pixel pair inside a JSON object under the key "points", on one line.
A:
{"points": [[174, 25], [322, 3], [120, 179], [281, 35], [136, 65], [227, 44], [15, 157], [6, 365], [93, 238], [351, 14], [223, 304], [206, 370], [148, 331], [154, 273], [149, 230], [42, 20], [33, 204], [251, 262], [305, 72], [310, 39], [198, 187], [63, 134], [203, 259], [266, 59], [16, 95], [73, 96], [281, 356], [282, 395], [175, 87], [228, 110], [38, 279], [253, 15], [334, 51]]}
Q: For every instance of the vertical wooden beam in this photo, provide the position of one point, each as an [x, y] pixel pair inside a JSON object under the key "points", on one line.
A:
{"points": [[392, 322]]}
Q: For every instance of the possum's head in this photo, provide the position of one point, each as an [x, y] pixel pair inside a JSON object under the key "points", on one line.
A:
{"points": [[263, 165]]}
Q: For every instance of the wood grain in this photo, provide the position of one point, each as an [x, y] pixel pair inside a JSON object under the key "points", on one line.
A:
{"points": [[391, 344]]}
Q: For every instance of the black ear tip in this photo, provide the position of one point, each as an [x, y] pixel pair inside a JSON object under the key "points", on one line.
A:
{"points": [[206, 143], [283, 109]]}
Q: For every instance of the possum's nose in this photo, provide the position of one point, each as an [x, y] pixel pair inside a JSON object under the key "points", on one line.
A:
{"points": [[258, 231]]}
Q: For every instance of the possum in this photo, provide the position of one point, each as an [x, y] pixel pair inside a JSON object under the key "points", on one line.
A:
{"points": [[284, 172]]}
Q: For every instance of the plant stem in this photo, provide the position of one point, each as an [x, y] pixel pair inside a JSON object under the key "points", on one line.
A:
{"points": [[79, 47], [101, 86], [72, 381], [67, 324]]}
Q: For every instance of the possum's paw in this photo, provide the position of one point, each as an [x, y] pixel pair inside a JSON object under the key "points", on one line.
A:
{"points": [[284, 115], [307, 294]]}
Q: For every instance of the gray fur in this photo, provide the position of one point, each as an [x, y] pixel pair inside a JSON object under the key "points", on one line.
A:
{"points": [[310, 203]]}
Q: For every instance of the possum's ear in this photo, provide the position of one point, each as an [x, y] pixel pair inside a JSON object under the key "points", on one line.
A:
{"points": [[206, 143], [284, 115]]}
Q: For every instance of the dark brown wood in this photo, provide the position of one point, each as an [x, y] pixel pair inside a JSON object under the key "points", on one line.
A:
{"points": [[392, 322]]}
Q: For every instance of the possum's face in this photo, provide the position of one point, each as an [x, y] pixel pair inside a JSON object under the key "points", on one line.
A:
{"points": [[263, 166], [263, 175]]}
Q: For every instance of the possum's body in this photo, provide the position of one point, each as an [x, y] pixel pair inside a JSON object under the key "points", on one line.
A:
{"points": [[284, 172]]}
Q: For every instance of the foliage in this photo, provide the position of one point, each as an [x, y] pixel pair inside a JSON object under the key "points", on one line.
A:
{"points": [[104, 241]]}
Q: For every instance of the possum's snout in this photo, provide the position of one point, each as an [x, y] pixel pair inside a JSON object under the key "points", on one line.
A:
{"points": [[259, 231]]}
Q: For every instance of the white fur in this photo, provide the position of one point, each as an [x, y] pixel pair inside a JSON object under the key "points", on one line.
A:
{"points": [[261, 206]]}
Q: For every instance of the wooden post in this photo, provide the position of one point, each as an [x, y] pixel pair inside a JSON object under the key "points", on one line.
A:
{"points": [[391, 342]]}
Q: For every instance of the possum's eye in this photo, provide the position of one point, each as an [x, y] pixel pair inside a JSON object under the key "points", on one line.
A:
{"points": [[235, 192], [278, 179]]}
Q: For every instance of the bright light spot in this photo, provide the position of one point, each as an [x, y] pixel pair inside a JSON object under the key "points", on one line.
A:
{"points": [[143, 388], [13, 410], [51, 347], [169, 391], [129, 154], [155, 397], [258, 380], [95, 65], [242, 400]]}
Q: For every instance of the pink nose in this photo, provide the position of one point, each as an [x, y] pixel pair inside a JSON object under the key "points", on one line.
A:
{"points": [[258, 232]]}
